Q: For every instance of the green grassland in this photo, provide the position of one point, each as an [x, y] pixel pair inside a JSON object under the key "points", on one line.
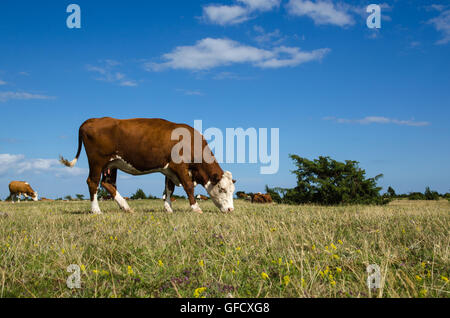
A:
{"points": [[256, 251]]}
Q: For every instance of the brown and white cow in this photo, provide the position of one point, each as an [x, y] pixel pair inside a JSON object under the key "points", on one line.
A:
{"points": [[202, 197], [143, 146], [262, 198], [18, 188]]}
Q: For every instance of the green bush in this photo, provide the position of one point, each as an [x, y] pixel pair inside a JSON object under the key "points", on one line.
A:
{"points": [[326, 181], [139, 195]]}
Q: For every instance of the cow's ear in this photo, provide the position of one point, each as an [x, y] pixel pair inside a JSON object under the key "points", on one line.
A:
{"points": [[234, 181]]}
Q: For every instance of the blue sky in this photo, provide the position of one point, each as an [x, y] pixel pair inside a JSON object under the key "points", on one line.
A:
{"points": [[313, 69]]}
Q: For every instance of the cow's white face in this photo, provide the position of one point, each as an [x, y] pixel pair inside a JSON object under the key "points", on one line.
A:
{"points": [[35, 196], [222, 192]]}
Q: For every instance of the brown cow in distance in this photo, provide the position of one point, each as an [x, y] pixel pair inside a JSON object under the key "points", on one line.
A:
{"points": [[143, 146], [18, 188], [262, 198]]}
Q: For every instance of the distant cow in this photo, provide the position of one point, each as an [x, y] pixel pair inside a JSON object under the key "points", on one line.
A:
{"points": [[242, 195], [261, 198], [143, 146], [47, 200], [201, 197], [18, 188]]}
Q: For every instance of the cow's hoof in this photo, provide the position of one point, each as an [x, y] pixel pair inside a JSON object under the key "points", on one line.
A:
{"points": [[199, 211], [96, 212], [167, 207]]}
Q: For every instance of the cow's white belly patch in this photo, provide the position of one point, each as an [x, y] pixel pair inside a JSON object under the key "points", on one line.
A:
{"points": [[118, 163]]}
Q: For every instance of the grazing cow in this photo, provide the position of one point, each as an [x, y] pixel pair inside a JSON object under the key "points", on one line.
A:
{"points": [[18, 188], [202, 198], [47, 200], [143, 146], [261, 198]]}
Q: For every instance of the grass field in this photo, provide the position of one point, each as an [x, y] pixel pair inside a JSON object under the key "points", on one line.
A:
{"points": [[257, 251]]}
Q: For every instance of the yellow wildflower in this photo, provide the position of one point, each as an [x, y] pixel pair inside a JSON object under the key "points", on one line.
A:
{"points": [[83, 268], [340, 242], [63, 251], [264, 275], [201, 263], [423, 293], [338, 270], [286, 280], [313, 247], [129, 270], [418, 278], [238, 248], [95, 271], [303, 282], [445, 279], [333, 246], [199, 291], [335, 256], [333, 283], [160, 263], [280, 261]]}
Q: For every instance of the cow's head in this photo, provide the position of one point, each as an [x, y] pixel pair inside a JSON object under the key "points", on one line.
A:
{"points": [[221, 191], [34, 196]]}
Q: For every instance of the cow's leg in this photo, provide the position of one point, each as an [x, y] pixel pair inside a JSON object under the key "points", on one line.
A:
{"points": [[109, 183], [18, 197], [93, 181], [170, 186], [13, 197], [188, 185]]}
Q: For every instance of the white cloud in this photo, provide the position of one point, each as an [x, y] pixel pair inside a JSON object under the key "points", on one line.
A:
{"points": [[210, 53], [225, 15], [273, 38], [322, 12], [378, 120], [261, 5], [108, 73], [235, 14], [128, 83], [442, 24], [18, 164], [189, 92], [5, 96]]}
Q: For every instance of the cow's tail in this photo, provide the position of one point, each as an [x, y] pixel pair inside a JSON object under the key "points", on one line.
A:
{"points": [[72, 163]]}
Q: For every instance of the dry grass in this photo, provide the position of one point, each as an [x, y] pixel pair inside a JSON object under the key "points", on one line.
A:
{"points": [[258, 251]]}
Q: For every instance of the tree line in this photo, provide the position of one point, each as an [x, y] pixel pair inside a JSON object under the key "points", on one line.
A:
{"points": [[325, 181]]}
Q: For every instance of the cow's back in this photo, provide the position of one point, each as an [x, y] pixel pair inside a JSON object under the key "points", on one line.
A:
{"points": [[19, 187], [143, 142]]}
